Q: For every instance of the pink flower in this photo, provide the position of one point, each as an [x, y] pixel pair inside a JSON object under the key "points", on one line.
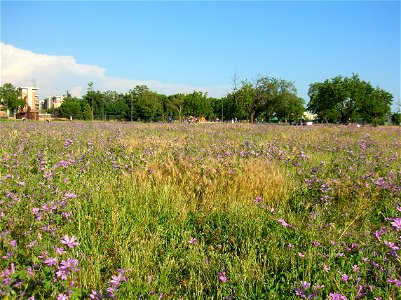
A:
{"points": [[284, 223], [59, 250], [117, 279], [316, 244], [96, 295], [394, 281], [70, 242], [62, 274], [391, 245], [258, 199], [305, 285], [336, 296], [51, 261], [192, 241], [222, 277], [13, 243], [396, 223], [344, 277]]}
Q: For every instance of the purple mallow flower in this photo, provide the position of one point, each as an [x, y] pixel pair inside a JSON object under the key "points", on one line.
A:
{"points": [[61, 273], [59, 250], [258, 199], [336, 296], [222, 277], [284, 223], [392, 246], [70, 242], [51, 261], [396, 223], [116, 280], [394, 281], [192, 241], [96, 295], [70, 264]]}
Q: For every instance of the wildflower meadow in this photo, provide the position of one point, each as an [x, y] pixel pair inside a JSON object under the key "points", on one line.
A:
{"points": [[99, 210]]}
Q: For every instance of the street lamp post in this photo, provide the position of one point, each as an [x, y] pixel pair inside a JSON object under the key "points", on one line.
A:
{"points": [[222, 111]]}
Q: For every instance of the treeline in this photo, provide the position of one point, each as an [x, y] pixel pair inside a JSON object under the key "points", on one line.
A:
{"points": [[265, 98], [336, 100]]}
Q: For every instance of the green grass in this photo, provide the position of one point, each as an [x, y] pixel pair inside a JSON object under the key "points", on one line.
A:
{"points": [[174, 206]]}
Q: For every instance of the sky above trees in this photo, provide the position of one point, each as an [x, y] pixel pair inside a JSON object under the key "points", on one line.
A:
{"points": [[183, 46]]}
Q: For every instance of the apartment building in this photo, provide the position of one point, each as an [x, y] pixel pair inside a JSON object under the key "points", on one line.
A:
{"points": [[53, 102], [57, 100], [31, 96]]}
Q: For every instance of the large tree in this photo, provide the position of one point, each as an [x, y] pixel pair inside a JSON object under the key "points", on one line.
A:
{"points": [[176, 104], [96, 101], [267, 97], [247, 101], [197, 104], [144, 104], [344, 100], [71, 107], [10, 97]]}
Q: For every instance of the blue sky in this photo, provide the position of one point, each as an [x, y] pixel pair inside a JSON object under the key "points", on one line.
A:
{"points": [[202, 44]]}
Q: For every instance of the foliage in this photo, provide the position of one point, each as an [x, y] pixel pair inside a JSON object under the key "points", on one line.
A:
{"points": [[396, 118], [198, 104], [345, 100], [87, 112], [10, 97], [71, 107], [175, 104]]}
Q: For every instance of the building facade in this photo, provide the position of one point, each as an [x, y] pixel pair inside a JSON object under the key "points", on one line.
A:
{"points": [[53, 102], [31, 96]]}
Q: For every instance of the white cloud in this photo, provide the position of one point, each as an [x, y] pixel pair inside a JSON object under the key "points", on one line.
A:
{"points": [[54, 75]]}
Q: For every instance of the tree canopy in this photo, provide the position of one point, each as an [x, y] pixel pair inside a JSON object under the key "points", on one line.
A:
{"points": [[10, 97], [343, 100]]}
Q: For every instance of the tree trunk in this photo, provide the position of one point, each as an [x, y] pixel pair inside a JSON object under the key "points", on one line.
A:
{"points": [[252, 117]]}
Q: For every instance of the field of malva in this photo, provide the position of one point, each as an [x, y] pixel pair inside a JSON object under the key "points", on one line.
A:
{"points": [[201, 211]]}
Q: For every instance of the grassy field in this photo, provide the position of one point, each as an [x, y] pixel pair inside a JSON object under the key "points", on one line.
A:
{"points": [[199, 211]]}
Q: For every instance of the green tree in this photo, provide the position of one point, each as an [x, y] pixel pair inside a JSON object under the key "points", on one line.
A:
{"points": [[115, 106], [246, 100], [71, 107], [396, 118], [282, 100], [96, 101], [10, 97], [197, 104], [291, 107], [144, 104], [374, 105], [347, 99], [88, 115], [176, 104]]}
